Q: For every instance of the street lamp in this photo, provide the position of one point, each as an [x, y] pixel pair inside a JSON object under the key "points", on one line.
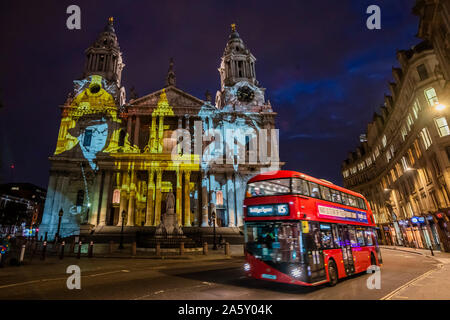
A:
{"points": [[60, 214], [121, 231], [439, 106], [213, 216]]}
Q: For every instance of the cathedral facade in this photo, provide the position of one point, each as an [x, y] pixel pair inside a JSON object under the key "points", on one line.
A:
{"points": [[116, 160]]}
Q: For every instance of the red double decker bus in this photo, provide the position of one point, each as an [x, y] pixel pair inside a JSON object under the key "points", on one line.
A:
{"points": [[306, 231]]}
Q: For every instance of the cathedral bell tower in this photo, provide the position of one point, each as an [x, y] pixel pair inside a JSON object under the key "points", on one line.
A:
{"points": [[239, 89], [238, 64], [103, 57]]}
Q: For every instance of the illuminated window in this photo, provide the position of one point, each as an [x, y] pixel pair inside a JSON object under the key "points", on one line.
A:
{"points": [[417, 149], [388, 156], [219, 198], [87, 138], [404, 133], [426, 138], [411, 157], [116, 196], [431, 96], [377, 152], [416, 108], [405, 164], [384, 141], [369, 161], [442, 126], [409, 121]]}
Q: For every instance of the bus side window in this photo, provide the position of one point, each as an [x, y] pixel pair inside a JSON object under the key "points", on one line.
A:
{"points": [[314, 187], [360, 237], [361, 204], [352, 236], [325, 191], [300, 186], [326, 237], [352, 201], [336, 237], [335, 196], [368, 236], [345, 199]]}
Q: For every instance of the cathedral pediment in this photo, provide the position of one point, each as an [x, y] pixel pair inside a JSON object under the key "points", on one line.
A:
{"points": [[166, 100]]}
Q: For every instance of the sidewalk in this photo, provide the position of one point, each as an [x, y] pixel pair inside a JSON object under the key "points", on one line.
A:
{"points": [[432, 285]]}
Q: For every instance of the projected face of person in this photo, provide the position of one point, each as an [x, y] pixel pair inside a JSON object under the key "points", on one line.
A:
{"points": [[92, 140]]}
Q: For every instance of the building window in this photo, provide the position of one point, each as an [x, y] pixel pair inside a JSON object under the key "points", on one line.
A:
{"points": [[369, 161], [404, 133], [431, 96], [405, 164], [219, 198], [409, 122], [436, 166], [442, 126], [116, 196], [384, 141], [426, 138], [416, 108], [417, 149], [87, 138], [422, 71], [388, 156]]}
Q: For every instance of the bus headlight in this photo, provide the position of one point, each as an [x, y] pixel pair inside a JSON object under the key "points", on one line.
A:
{"points": [[296, 272], [247, 267]]}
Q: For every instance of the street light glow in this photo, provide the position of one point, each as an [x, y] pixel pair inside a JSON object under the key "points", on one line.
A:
{"points": [[439, 106]]}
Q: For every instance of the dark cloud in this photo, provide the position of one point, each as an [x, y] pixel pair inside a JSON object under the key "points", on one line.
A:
{"points": [[324, 71]]}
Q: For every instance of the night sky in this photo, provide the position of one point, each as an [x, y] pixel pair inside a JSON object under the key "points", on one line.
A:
{"points": [[325, 72]]}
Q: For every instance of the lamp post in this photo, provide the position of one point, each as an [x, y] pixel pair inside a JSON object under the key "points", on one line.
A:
{"points": [[121, 230], [60, 214], [213, 216]]}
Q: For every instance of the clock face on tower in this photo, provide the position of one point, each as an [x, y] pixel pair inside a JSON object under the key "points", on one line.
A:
{"points": [[245, 94]]}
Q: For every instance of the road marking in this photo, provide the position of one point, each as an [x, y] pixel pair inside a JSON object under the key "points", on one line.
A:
{"points": [[406, 285], [158, 292], [401, 297], [18, 284]]}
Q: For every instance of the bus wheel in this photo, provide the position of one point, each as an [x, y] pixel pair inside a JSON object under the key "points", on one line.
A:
{"points": [[332, 273], [373, 261]]}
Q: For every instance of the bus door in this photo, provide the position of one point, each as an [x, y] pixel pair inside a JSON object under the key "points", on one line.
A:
{"points": [[316, 265], [345, 244]]}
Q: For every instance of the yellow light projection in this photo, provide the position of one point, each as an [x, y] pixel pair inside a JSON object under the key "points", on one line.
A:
{"points": [[145, 197], [93, 103]]}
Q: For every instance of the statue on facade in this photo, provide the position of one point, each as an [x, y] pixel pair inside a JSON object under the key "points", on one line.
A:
{"points": [[169, 224]]}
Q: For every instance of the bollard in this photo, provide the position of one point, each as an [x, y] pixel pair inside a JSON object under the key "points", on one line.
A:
{"points": [[227, 249], [205, 248], [431, 249], [133, 248], [158, 249], [61, 253], [22, 254], [79, 250], [44, 249], [91, 249], [181, 248], [111, 246]]}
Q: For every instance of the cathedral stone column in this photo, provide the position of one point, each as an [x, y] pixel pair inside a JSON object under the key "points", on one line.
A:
{"points": [[158, 197], [179, 192], [132, 199], [230, 200], [136, 131], [160, 133], [205, 200], [131, 208], [129, 126], [93, 210], [187, 199], [123, 197], [150, 204], [105, 196]]}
